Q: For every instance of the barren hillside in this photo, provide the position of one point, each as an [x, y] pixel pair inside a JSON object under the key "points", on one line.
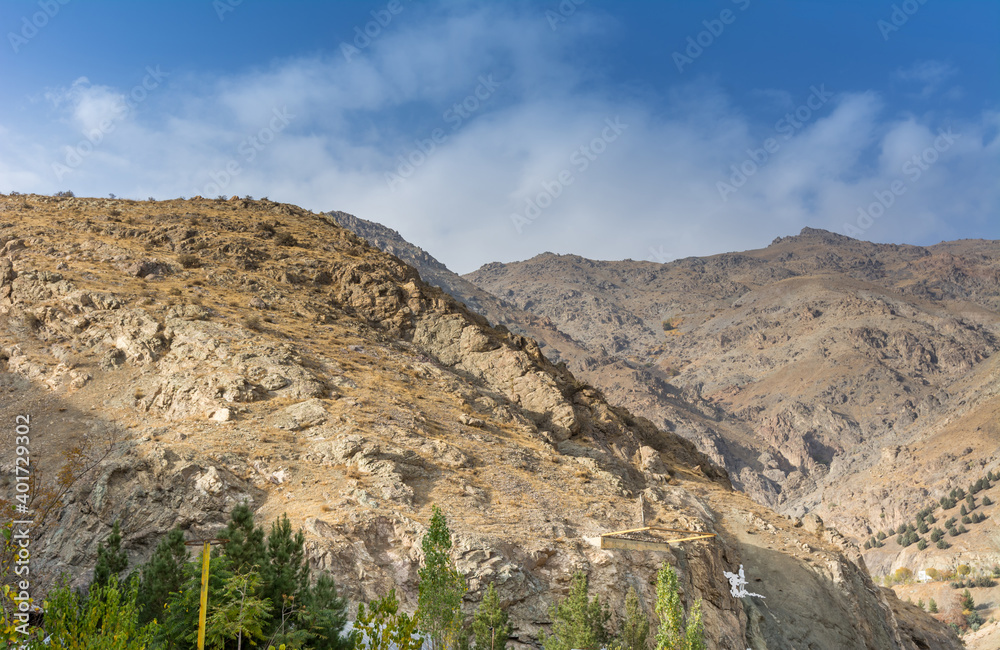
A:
{"points": [[252, 350], [852, 379]]}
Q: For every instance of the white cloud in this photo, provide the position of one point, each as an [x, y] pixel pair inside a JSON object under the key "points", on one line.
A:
{"points": [[654, 186]]}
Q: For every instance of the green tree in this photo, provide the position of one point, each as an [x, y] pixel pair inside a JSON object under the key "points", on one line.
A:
{"points": [[111, 559], [107, 618], [239, 612], [987, 501], [489, 624], [179, 627], [932, 606], [325, 616], [245, 547], [285, 572], [674, 633], [962, 511], [921, 545], [441, 587], [577, 621], [967, 602], [162, 574], [382, 624], [634, 633]]}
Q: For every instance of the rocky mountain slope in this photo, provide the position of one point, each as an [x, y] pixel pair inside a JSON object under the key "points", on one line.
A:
{"points": [[851, 379], [249, 350]]}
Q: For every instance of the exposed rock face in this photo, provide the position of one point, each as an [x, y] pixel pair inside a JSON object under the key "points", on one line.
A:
{"points": [[344, 408], [795, 366]]}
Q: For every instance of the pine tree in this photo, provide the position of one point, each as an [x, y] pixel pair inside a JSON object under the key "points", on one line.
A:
{"points": [[163, 574], [920, 603], [967, 603], [111, 559], [489, 624], [441, 586], [936, 534], [245, 547], [932, 606], [987, 501], [635, 628], [942, 544], [868, 544], [286, 570], [923, 528], [921, 545], [880, 536], [577, 621], [325, 616], [673, 633], [963, 511]]}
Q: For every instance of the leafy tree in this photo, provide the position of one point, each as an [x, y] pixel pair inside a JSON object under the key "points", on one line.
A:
{"points": [[674, 633], [932, 606], [239, 612], [441, 587], [903, 574], [489, 624], [105, 619], [163, 574], [382, 624], [634, 633], [577, 621], [963, 569], [111, 559]]}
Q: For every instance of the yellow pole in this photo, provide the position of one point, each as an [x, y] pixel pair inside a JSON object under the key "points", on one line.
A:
{"points": [[204, 597]]}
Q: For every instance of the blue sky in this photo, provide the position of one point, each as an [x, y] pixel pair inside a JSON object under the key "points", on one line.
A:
{"points": [[496, 131]]}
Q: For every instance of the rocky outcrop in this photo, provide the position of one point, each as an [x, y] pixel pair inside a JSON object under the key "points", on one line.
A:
{"points": [[344, 408]]}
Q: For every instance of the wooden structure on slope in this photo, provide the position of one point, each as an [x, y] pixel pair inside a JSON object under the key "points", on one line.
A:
{"points": [[645, 537]]}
